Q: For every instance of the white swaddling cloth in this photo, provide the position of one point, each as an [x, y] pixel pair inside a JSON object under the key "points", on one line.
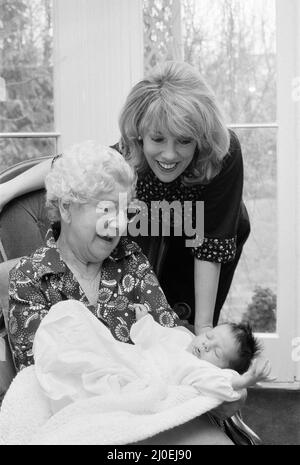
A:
{"points": [[76, 357], [87, 388]]}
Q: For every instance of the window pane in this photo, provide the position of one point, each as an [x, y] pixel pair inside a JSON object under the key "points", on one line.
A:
{"points": [[253, 291], [26, 68], [16, 150], [232, 43], [162, 32]]}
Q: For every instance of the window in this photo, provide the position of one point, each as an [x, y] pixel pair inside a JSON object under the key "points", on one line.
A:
{"points": [[162, 31], [26, 81]]}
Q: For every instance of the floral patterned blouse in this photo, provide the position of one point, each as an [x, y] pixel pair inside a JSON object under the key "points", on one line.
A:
{"points": [[43, 279]]}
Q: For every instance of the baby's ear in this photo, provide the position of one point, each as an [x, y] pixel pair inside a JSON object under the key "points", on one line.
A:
{"points": [[64, 210]]}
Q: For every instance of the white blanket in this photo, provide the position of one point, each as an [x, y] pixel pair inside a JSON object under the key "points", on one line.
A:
{"points": [[87, 388], [26, 417]]}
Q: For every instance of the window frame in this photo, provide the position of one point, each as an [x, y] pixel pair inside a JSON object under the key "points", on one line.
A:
{"points": [[278, 345]]}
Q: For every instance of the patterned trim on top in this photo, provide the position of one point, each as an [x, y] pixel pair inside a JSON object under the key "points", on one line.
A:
{"points": [[216, 250]]}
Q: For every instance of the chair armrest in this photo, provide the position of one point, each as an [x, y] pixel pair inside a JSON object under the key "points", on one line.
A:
{"points": [[7, 368], [5, 268], [237, 430]]}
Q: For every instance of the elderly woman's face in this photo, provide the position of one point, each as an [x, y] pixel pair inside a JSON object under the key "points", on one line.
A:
{"points": [[95, 228]]}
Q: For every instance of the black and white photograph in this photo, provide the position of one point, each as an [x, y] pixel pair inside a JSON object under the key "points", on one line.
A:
{"points": [[150, 202]]}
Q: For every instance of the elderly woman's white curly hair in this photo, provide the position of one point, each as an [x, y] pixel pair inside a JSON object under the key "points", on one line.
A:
{"points": [[84, 172]]}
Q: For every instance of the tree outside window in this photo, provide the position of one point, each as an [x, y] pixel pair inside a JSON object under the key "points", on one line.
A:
{"points": [[26, 72]]}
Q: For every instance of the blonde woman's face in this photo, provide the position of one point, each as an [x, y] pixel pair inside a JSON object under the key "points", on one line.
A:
{"points": [[168, 156]]}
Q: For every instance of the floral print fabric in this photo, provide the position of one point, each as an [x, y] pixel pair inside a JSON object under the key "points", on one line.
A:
{"points": [[43, 279]]}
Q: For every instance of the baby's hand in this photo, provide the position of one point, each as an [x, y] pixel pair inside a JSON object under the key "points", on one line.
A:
{"points": [[260, 370], [140, 311]]}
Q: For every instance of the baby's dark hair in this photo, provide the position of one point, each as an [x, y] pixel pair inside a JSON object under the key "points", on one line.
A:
{"points": [[248, 345]]}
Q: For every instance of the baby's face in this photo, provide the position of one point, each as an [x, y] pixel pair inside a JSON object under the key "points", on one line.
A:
{"points": [[217, 346]]}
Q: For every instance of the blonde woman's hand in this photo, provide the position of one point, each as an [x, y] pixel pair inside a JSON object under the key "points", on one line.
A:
{"points": [[202, 329], [6, 194], [3, 199]]}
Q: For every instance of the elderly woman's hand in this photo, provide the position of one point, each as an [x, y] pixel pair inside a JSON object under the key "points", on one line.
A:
{"points": [[228, 409], [140, 311]]}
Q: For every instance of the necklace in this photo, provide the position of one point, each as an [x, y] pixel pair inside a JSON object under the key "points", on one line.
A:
{"points": [[89, 284]]}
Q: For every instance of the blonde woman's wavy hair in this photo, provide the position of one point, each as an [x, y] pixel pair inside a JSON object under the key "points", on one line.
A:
{"points": [[83, 173], [177, 99]]}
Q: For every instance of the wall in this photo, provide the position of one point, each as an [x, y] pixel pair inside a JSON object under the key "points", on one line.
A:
{"points": [[98, 56]]}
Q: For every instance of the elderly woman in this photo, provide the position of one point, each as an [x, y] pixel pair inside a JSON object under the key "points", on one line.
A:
{"points": [[85, 257]]}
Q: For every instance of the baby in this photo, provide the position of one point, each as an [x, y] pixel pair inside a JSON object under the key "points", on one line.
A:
{"points": [[77, 357], [228, 346]]}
